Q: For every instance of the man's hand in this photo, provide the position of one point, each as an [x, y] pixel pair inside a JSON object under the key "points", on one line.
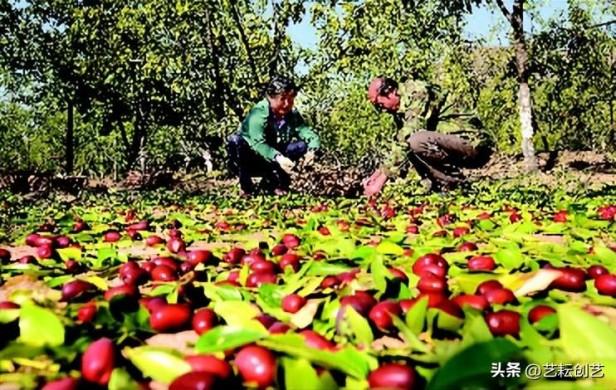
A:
{"points": [[374, 183], [286, 164], [308, 157]]}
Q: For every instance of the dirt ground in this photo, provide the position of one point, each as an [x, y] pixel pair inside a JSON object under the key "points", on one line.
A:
{"points": [[563, 170], [584, 165], [573, 168]]}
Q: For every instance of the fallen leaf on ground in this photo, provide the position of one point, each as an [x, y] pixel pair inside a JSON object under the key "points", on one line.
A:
{"points": [[182, 341]]}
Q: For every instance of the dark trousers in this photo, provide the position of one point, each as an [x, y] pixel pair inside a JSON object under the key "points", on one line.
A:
{"points": [[439, 157], [246, 164]]}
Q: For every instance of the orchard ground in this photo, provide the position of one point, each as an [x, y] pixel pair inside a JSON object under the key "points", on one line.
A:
{"points": [[172, 288]]}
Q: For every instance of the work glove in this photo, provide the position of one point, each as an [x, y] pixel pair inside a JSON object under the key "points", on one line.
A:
{"points": [[286, 164], [374, 183], [309, 157]]}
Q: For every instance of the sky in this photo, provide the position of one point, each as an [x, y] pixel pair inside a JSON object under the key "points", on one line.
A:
{"points": [[480, 24]]}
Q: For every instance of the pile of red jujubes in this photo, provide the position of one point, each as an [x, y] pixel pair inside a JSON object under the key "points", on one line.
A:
{"points": [[256, 364], [607, 212]]}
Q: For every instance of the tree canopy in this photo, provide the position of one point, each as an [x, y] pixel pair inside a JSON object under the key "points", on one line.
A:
{"points": [[144, 83]]}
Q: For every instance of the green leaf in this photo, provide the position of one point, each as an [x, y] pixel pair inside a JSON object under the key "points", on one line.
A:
{"points": [[583, 233], [548, 323], [605, 254], [184, 219], [537, 349], [340, 246], [299, 374], [83, 237], [221, 293], [69, 253], [327, 381], [467, 283], [237, 313], [351, 383], [475, 328], [584, 337], [19, 350], [447, 322], [269, 293], [107, 252], [310, 284], [99, 282], [59, 280], [121, 380], [529, 336], [379, 272], [363, 252], [409, 336], [509, 258], [323, 268], [404, 292], [564, 385], [486, 225], [416, 316], [40, 327], [347, 360], [136, 321], [163, 289], [161, 364], [358, 326], [19, 380], [224, 337], [470, 368], [390, 248]]}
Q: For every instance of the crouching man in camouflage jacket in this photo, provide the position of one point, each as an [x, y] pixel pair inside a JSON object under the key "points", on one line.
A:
{"points": [[419, 111]]}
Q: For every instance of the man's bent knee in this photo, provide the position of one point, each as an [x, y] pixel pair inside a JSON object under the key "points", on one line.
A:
{"points": [[235, 140], [417, 141], [295, 150]]}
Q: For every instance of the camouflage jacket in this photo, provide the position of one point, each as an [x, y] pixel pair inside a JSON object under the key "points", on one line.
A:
{"points": [[425, 106]]}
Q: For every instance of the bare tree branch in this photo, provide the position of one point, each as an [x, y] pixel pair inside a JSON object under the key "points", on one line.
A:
{"points": [[504, 9], [608, 23]]}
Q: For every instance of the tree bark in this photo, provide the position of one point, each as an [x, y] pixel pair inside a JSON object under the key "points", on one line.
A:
{"points": [[516, 20], [68, 142], [524, 96], [139, 137]]}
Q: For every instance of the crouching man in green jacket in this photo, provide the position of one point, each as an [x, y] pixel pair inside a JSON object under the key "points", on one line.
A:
{"points": [[434, 134], [271, 139]]}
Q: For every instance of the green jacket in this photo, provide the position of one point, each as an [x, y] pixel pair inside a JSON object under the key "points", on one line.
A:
{"points": [[266, 135], [425, 106]]}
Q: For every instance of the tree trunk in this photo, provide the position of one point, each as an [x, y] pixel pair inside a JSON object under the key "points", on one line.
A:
{"points": [[524, 98], [516, 20], [528, 149], [219, 88], [612, 124], [139, 137], [68, 142]]}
